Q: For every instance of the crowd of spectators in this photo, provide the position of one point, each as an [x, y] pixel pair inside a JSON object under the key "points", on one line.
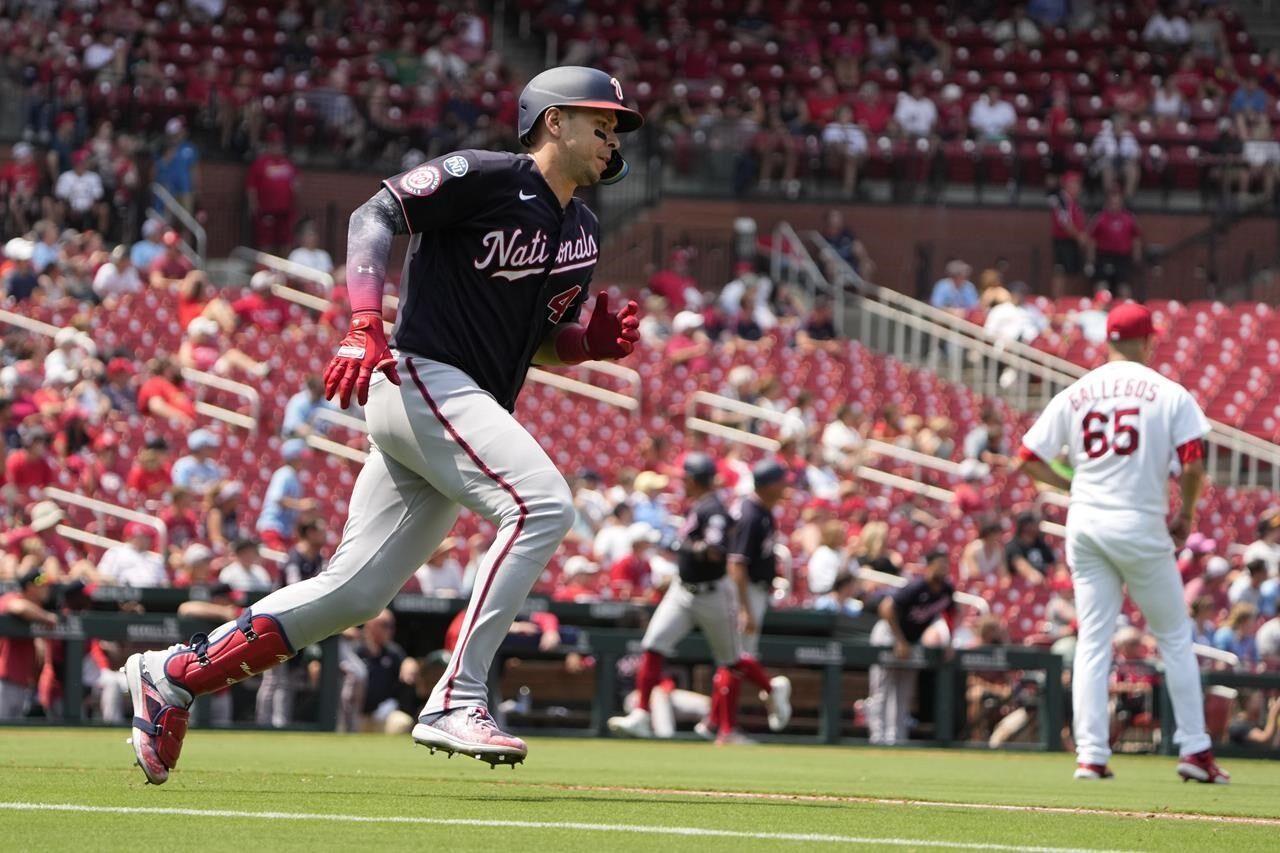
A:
{"points": [[1111, 89]]}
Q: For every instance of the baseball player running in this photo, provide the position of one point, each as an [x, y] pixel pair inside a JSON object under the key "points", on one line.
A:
{"points": [[752, 567], [497, 270], [703, 597], [1125, 428]]}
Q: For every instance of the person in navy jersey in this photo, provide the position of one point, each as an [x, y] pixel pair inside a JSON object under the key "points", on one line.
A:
{"points": [[1117, 242], [499, 260]]}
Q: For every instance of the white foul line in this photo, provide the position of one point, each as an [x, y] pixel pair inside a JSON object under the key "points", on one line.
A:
{"points": [[805, 837]]}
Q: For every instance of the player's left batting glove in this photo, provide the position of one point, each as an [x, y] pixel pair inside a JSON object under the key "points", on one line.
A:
{"points": [[606, 335], [361, 352]]}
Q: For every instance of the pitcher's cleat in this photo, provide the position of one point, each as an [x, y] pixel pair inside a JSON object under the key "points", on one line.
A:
{"points": [[733, 737], [636, 724], [1093, 771], [471, 731], [778, 702], [158, 727], [1202, 768], [703, 729]]}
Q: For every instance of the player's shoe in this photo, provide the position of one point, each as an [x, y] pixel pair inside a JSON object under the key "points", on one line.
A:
{"points": [[158, 726], [636, 724], [733, 737], [471, 731], [1202, 768], [704, 730], [778, 702], [1093, 771]]}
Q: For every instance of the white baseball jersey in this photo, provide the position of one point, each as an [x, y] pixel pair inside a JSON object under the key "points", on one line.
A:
{"points": [[1121, 425]]}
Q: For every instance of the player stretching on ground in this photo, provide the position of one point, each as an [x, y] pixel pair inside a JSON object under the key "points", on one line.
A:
{"points": [[701, 596], [1125, 426], [494, 279]]}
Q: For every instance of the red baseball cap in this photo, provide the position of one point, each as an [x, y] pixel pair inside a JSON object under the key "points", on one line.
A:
{"points": [[1128, 321], [137, 528], [170, 238]]}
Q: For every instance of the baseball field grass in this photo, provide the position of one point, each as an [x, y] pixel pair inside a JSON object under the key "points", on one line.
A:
{"points": [[63, 789]]}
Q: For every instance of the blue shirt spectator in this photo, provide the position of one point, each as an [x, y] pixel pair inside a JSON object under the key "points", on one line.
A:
{"points": [[149, 248], [1242, 646], [302, 408], [284, 501], [1248, 98], [954, 292], [175, 167], [197, 472]]}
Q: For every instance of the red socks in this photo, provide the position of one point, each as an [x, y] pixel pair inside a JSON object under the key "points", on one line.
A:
{"points": [[647, 677], [754, 672], [724, 699]]}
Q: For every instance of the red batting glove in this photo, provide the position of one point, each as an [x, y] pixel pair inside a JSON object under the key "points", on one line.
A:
{"points": [[606, 335], [362, 351]]}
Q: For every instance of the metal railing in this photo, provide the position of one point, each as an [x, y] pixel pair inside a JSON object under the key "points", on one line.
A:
{"points": [[99, 509], [284, 266], [964, 353], [174, 207], [791, 262], [29, 324], [209, 380]]}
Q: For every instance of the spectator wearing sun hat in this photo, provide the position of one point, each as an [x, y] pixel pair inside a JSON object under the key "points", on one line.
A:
{"points": [[1211, 583], [1267, 546], [197, 471], [284, 501], [134, 562], [261, 309]]}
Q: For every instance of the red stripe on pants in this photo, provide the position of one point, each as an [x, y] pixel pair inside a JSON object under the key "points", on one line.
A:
{"points": [[469, 624]]}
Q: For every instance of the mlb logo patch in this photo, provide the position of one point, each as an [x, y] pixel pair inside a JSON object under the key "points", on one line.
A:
{"points": [[457, 166], [422, 181]]}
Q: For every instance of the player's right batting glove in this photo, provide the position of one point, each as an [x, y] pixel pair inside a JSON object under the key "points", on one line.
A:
{"points": [[361, 352]]}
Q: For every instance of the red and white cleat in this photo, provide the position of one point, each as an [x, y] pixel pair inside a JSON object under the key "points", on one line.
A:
{"points": [[471, 731], [158, 727], [1202, 768], [1093, 771]]}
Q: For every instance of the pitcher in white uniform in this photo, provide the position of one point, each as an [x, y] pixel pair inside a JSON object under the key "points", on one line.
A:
{"points": [[1125, 429]]}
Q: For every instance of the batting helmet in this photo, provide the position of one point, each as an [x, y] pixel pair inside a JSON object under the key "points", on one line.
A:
{"points": [[577, 86], [701, 467]]}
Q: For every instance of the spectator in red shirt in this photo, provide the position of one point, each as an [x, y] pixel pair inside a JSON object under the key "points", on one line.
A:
{"points": [[1069, 230], [261, 308], [149, 478], [182, 518], [171, 266], [823, 101], [20, 185], [194, 301], [629, 575], [579, 580], [162, 395], [271, 184], [688, 343], [28, 469], [674, 282], [102, 472], [18, 654], [870, 110], [1117, 243]]}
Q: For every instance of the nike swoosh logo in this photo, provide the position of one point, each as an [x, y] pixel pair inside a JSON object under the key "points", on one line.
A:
{"points": [[524, 197]]}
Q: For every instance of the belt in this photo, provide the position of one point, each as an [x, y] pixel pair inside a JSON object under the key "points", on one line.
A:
{"points": [[700, 586]]}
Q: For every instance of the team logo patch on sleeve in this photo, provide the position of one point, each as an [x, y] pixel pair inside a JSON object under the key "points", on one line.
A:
{"points": [[421, 181], [457, 166]]}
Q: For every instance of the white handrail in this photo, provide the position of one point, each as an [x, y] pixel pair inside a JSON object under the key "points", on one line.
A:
{"points": [[586, 389], [184, 216], [210, 380], [342, 419], [30, 324], [75, 534], [915, 457], [1219, 655], [335, 448], [977, 602], [1021, 356], [104, 508], [742, 436], [292, 269], [617, 371]]}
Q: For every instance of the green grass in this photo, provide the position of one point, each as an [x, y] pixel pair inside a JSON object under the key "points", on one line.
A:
{"points": [[566, 781]]}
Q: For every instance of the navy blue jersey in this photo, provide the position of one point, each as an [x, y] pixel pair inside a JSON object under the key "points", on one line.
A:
{"points": [[494, 263], [918, 605], [701, 551], [752, 540]]}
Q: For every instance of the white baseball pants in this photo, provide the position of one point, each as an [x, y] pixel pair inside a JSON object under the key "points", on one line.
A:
{"points": [[1106, 552], [713, 610], [439, 442]]}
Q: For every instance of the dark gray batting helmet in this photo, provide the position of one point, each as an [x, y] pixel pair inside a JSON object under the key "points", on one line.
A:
{"points": [[577, 86]]}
